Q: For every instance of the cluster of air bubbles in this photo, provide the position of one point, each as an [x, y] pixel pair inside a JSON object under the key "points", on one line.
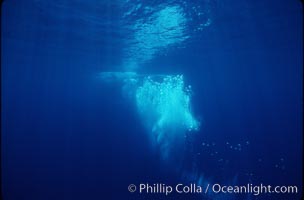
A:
{"points": [[213, 150], [211, 147], [166, 104], [208, 144], [220, 152], [249, 174], [280, 164], [228, 145], [238, 146], [225, 154]]}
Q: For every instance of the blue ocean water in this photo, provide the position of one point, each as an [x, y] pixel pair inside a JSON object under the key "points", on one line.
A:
{"points": [[97, 95]]}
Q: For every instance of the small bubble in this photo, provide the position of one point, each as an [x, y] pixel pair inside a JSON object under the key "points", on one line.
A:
{"points": [[247, 142], [276, 166], [203, 143]]}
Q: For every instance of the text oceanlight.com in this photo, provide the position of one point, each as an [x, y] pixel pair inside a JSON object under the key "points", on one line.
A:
{"points": [[160, 188]]}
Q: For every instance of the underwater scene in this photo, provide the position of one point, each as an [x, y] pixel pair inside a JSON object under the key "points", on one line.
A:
{"points": [[151, 99]]}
